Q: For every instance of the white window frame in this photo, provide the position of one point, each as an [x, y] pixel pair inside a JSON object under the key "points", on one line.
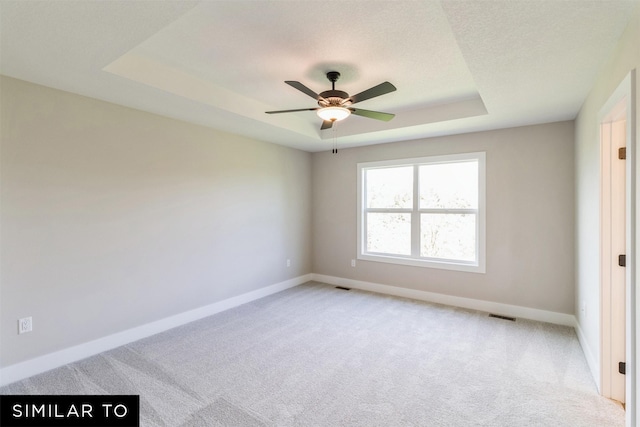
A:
{"points": [[476, 266]]}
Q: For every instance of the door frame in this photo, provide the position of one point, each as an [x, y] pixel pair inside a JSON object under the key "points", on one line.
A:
{"points": [[613, 225], [624, 96]]}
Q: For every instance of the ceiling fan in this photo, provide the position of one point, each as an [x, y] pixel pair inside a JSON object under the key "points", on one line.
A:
{"points": [[335, 105]]}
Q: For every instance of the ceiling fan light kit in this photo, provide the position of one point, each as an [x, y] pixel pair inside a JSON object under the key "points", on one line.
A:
{"points": [[335, 105], [333, 114]]}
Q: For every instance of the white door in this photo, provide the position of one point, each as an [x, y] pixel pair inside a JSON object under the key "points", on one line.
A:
{"points": [[618, 273], [613, 248]]}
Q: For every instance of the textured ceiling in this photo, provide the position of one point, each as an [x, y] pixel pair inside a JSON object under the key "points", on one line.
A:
{"points": [[459, 66]]}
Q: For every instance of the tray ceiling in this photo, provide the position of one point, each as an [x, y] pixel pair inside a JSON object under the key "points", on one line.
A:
{"points": [[459, 66]]}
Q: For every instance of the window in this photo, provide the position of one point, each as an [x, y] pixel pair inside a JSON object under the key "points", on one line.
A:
{"points": [[427, 211]]}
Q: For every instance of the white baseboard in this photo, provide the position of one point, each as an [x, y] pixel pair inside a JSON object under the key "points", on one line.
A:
{"points": [[50, 361], [592, 361], [474, 304]]}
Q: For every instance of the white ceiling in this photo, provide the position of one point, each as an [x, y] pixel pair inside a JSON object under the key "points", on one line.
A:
{"points": [[459, 66]]}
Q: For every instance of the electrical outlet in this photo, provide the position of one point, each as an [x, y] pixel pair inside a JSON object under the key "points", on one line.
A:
{"points": [[353, 263], [25, 325], [288, 263]]}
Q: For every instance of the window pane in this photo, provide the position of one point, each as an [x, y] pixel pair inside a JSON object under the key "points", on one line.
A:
{"points": [[448, 236], [449, 185], [389, 233], [390, 187]]}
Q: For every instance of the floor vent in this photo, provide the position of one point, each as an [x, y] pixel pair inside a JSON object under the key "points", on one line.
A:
{"points": [[343, 288], [497, 316]]}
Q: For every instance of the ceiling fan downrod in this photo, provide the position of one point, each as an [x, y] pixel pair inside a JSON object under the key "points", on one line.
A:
{"points": [[333, 77]]}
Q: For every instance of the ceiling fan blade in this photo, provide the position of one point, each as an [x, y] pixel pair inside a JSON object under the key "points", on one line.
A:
{"points": [[290, 111], [381, 89], [326, 124], [372, 114], [302, 88]]}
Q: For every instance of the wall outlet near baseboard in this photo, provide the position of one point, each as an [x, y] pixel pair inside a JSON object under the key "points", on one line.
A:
{"points": [[353, 263], [288, 263], [25, 325]]}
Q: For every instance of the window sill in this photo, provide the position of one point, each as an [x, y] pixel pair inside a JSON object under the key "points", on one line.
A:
{"points": [[442, 265]]}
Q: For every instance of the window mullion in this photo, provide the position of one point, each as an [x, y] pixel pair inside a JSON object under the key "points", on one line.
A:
{"points": [[388, 210], [415, 214], [449, 211]]}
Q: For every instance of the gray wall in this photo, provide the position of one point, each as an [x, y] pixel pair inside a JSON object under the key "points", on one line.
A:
{"points": [[112, 218], [530, 208]]}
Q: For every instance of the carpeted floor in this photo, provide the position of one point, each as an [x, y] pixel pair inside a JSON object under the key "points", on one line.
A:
{"points": [[318, 356]]}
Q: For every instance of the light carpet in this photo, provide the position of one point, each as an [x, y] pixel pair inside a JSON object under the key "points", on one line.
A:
{"points": [[314, 355]]}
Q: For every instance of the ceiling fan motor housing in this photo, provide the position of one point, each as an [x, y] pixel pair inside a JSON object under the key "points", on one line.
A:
{"points": [[333, 97]]}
